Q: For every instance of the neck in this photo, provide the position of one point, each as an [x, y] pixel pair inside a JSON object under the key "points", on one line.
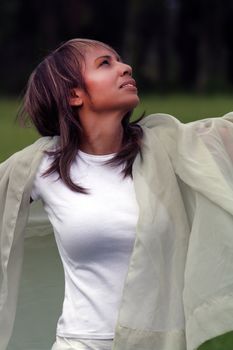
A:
{"points": [[101, 134]]}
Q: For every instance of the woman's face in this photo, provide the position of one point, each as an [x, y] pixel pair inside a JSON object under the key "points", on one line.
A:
{"points": [[108, 81]]}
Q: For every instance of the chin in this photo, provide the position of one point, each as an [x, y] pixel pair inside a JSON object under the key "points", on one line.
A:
{"points": [[133, 102]]}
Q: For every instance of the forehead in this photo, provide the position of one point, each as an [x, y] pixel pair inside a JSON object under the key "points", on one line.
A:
{"points": [[92, 53]]}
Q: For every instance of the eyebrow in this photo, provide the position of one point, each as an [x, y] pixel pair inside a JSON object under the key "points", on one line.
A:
{"points": [[109, 57]]}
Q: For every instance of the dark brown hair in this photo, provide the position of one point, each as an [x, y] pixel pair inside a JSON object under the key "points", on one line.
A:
{"points": [[46, 105]]}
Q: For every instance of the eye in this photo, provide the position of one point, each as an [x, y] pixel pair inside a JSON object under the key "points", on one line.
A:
{"points": [[104, 62]]}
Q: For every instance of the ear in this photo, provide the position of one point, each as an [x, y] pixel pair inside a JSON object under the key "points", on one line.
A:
{"points": [[75, 99]]}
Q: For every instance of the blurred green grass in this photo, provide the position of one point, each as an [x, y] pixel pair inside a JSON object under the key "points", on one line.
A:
{"points": [[12, 137], [187, 107], [184, 107]]}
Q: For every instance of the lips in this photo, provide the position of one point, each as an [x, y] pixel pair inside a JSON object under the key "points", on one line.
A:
{"points": [[128, 83]]}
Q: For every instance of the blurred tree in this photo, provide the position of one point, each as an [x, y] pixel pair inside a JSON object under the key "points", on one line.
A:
{"points": [[168, 42], [211, 64], [200, 43], [108, 22], [148, 41], [187, 35], [38, 28], [35, 28], [228, 36]]}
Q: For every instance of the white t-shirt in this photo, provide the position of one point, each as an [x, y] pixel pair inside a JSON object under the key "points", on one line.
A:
{"points": [[95, 235]]}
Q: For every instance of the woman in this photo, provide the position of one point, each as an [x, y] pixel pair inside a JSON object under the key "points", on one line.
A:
{"points": [[141, 212]]}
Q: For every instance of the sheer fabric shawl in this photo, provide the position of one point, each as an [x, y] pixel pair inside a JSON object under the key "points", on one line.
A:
{"points": [[179, 287]]}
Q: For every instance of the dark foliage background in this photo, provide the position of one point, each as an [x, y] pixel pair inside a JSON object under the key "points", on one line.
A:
{"points": [[172, 44]]}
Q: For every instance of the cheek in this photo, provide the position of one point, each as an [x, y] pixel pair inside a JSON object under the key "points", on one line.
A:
{"points": [[103, 86], [100, 81], [101, 93]]}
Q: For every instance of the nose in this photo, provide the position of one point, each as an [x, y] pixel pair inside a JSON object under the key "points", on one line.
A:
{"points": [[126, 69]]}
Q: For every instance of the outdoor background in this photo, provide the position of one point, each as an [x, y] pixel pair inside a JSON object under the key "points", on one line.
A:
{"points": [[181, 52]]}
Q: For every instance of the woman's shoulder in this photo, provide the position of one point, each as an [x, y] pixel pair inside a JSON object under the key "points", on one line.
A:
{"points": [[159, 120], [160, 127], [167, 126], [164, 120], [189, 141]]}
